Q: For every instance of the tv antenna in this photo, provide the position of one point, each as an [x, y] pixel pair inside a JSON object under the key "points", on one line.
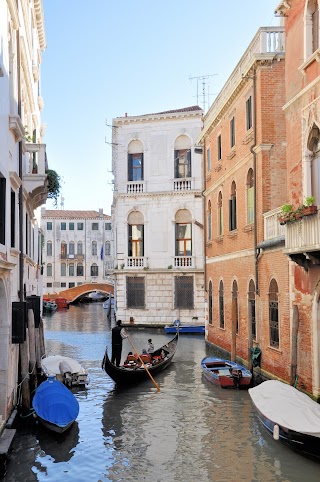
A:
{"points": [[202, 80]]}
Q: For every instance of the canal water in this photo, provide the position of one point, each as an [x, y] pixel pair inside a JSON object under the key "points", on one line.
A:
{"points": [[190, 431]]}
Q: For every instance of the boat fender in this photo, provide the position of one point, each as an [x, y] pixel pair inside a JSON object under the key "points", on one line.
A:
{"points": [[276, 432]]}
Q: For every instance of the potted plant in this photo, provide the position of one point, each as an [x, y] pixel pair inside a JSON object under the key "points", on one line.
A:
{"points": [[309, 207], [287, 213]]}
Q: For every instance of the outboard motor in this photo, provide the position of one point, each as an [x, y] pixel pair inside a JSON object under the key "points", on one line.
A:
{"points": [[66, 372], [236, 374]]}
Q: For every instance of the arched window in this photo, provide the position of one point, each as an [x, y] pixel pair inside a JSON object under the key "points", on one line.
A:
{"points": [[71, 248], [94, 270], [49, 248], [274, 314], [250, 197], [233, 208], [71, 269], [94, 249], [209, 221], [311, 27], [79, 247], [107, 248], [79, 269], [135, 161], [210, 303], [221, 305], [63, 269], [135, 234], [252, 308], [235, 307], [182, 157], [63, 250], [314, 147], [49, 270], [220, 215]]}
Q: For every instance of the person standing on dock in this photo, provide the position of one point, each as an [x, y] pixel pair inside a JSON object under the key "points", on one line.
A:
{"points": [[118, 334]]}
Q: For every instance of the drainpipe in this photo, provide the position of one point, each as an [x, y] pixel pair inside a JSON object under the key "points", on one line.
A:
{"points": [[20, 196]]}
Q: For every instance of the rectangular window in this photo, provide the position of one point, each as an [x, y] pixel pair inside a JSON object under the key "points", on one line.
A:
{"points": [[250, 207], [94, 270], [71, 226], [79, 270], [232, 213], [95, 226], [135, 240], [49, 285], [80, 226], [135, 167], [249, 113], [72, 285], [232, 133], [182, 163], [135, 292], [219, 148], [63, 226], [2, 209], [49, 226], [183, 293], [208, 160], [63, 285], [183, 240], [107, 226], [13, 219], [71, 269], [63, 269]]}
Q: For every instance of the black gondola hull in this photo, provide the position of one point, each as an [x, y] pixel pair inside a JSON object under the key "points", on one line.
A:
{"points": [[130, 376]]}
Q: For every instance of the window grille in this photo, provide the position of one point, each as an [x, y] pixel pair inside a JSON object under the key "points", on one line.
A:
{"points": [[221, 305], [184, 293], [135, 292], [274, 314]]}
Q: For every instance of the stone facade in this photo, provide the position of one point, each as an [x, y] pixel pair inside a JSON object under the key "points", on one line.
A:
{"points": [[78, 248], [158, 191], [22, 181]]}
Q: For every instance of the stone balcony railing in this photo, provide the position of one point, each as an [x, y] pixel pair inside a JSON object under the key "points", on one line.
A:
{"points": [[135, 187], [34, 179], [268, 42], [183, 262], [135, 262], [272, 227], [303, 235], [182, 184]]}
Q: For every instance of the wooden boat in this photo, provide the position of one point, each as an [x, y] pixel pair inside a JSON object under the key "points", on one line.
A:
{"points": [[55, 406], [65, 369], [289, 415], [131, 374], [49, 305], [225, 373], [185, 329]]}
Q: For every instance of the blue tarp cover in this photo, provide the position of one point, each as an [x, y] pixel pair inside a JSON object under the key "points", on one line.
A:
{"points": [[55, 403]]}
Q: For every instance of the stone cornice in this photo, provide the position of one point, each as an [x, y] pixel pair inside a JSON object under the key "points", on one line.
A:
{"points": [[194, 193], [15, 180], [157, 117], [12, 5], [230, 256], [282, 7], [301, 93], [27, 73], [40, 23]]}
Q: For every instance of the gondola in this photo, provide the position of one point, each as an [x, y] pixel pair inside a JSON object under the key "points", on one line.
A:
{"points": [[124, 375]]}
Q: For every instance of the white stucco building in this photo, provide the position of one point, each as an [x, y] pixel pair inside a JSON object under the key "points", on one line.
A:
{"points": [[78, 248], [158, 217], [23, 186]]}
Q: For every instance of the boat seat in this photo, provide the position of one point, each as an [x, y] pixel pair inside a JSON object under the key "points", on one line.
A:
{"points": [[145, 357], [131, 358]]}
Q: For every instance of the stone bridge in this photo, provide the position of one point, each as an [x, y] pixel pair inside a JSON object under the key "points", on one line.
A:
{"points": [[71, 294]]}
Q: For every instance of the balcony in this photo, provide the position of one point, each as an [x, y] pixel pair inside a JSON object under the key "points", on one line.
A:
{"points": [[72, 257], [135, 187], [183, 262], [303, 240], [135, 262], [34, 179], [182, 184], [272, 227]]}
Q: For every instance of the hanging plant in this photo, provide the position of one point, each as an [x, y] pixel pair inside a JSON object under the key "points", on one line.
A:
{"points": [[54, 185]]}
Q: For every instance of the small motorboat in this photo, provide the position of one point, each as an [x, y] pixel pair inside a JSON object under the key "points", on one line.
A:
{"points": [[225, 373], [49, 305], [289, 415], [185, 328], [55, 406], [129, 374], [65, 369]]}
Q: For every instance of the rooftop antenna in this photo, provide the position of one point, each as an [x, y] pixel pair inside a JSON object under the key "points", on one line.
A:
{"points": [[202, 79]]}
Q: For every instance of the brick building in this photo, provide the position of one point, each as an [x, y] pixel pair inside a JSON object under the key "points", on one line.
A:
{"points": [[247, 273], [302, 238]]}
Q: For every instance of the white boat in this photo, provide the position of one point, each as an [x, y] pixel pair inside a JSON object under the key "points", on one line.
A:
{"points": [[49, 306], [65, 369]]}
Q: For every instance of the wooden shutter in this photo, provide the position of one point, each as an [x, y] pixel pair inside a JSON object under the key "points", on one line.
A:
{"points": [[176, 164], [142, 166], [130, 167], [189, 163], [19, 321], [34, 303]]}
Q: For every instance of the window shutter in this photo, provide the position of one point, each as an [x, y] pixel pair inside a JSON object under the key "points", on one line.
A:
{"points": [[176, 164], [19, 321], [142, 166], [142, 233], [230, 214], [189, 163], [130, 167], [234, 212]]}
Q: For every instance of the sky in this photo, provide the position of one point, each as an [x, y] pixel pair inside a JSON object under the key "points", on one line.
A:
{"points": [[105, 58]]}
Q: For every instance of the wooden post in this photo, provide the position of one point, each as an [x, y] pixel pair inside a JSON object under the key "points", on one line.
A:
{"points": [[32, 350], [24, 364], [250, 340], [294, 344], [234, 330]]}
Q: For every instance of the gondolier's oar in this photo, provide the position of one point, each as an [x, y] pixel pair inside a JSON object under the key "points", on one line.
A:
{"points": [[144, 366]]}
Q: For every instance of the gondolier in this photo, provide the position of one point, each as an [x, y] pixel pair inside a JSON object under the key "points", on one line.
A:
{"points": [[118, 334]]}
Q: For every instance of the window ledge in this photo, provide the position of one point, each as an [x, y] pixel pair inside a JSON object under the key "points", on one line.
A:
{"points": [[217, 167], [222, 328], [248, 137], [233, 234], [208, 177], [209, 243], [219, 239], [232, 153], [248, 228], [269, 347], [314, 57]]}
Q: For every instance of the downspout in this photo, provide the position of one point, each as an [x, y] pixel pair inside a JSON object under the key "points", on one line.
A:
{"points": [[20, 196]]}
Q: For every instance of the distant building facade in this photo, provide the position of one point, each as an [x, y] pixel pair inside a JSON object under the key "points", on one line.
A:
{"points": [[158, 217], [247, 273], [77, 248], [23, 189]]}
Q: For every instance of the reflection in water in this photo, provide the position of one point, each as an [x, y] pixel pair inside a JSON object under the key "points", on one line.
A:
{"points": [[189, 431]]}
